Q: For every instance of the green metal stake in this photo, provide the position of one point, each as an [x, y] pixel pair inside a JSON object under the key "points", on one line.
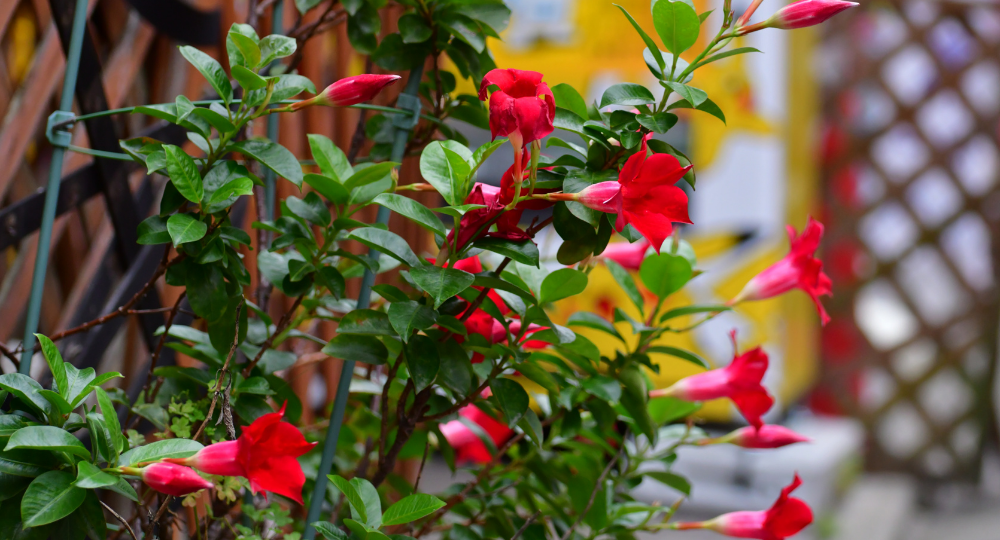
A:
{"points": [[404, 124], [60, 139], [277, 27]]}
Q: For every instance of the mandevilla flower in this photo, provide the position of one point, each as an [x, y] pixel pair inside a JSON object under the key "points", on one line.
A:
{"points": [[266, 454], [349, 91], [170, 479], [768, 436], [807, 13], [469, 448], [522, 109], [799, 269], [786, 517], [739, 381], [644, 196], [629, 256]]}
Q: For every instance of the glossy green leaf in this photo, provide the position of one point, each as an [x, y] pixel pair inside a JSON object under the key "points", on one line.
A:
{"points": [[524, 252], [512, 398], [677, 23], [111, 419], [331, 189], [310, 208], [330, 159], [218, 120], [413, 210], [248, 79], [49, 498], [211, 70], [665, 274], [360, 348], [387, 242], [441, 283], [593, 321], [650, 44], [670, 479], [414, 28], [57, 401], [679, 353], [562, 283], [155, 451], [184, 173], [725, 54], [276, 46], [691, 310], [693, 95], [354, 499], [273, 156], [153, 230], [329, 531], [411, 508], [625, 281], [26, 389], [628, 94], [47, 438], [184, 228], [444, 164], [455, 371], [248, 48], [55, 362], [408, 316], [90, 477], [233, 188], [568, 98], [422, 361], [366, 322]]}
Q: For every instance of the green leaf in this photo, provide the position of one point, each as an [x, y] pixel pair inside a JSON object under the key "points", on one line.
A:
{"points": [[9, 423], [276, 46], [423, 361], [47, 438], [310, 208], [387, 242], [512, 398], [409, 315], [111, 420], [441, 283], [414, 28], [49, 498], [122, 487], [233, 188], [184, 173], [369, 174], [562, 283], [665, 274], [646, 39], [691, 310], [331, 189], [629, 94], [679, 353], [413, 210], [677, 24], [247, 47], [708, 106], [330, 159], [56, 365], [695, 96], [456, 371], [57, 401], [90, 477], [211, 70], [370, 498], [155, 451], [366, 322], [444, 164], [411, 508], [524, 252], [26, 389], [153, 230], [330, 531], [273, 156], [594, 321], [216, 119], [568, 98], [625, 281], [184, 228], [352, 495], [360, 348], [670, 479], [725, 54], [248, 79], [88, 519], [636, 408], [657, 123]]}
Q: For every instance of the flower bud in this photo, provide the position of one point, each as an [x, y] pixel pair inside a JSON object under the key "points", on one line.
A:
{"points": [[806, 13], [349, 91], [170, 478], [768, 436], [221, 458]]}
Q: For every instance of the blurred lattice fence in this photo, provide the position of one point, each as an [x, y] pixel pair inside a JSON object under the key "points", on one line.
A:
{"points": [[912, 100]]}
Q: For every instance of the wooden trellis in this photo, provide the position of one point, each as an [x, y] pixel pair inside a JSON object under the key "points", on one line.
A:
{"points": [[913, 211]]}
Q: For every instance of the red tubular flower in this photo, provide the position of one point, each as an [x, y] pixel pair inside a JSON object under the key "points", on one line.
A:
{"points": [[800, 269], [806, 13], [644, 196], [630, 256], [523, 108], [768, 436], [266, 454], [739, 381], [475, 223], [349, 91], [468, 446], [786, 517], [170, 479]]}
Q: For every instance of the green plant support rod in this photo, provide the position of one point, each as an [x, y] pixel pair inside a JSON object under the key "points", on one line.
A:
{"points": [[402, 134], [277, 27], [52, 189]]}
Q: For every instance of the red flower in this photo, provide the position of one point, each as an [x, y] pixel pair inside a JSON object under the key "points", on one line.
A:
{"points": [[786, 517], [170, 479], [349, 91], [630, 256], [799, 269], [644, 196], [523, 108], [768, 436], [739, 381], [806, 13], [468, 446], [475, 224], [265, 454]]}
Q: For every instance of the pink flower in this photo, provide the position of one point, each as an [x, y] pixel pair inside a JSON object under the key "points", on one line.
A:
{"points": [[523, 108], [630, 256], [806, 13], [644, 196], [786, 517], [475, 224], [768, 436], [468, 446], [170, 479], [739, 381], [265, 454], [349, 91], [800, 269]]}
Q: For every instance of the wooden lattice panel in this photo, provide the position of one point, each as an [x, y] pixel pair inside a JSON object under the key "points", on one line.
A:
{"points": [[912, 206]]}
